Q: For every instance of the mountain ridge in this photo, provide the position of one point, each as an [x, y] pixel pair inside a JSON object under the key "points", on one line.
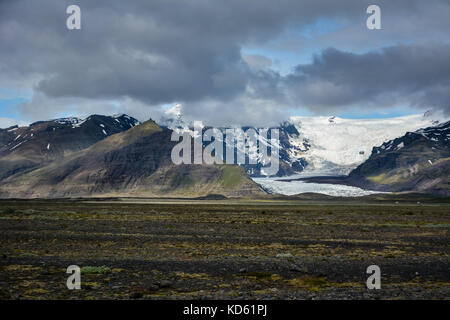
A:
{"points": [[417, 161], [135, 162], [27, 147], [324, 145]]}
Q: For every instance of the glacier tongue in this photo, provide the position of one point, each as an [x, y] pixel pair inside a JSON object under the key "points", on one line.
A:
{"points": [[278, 186]]}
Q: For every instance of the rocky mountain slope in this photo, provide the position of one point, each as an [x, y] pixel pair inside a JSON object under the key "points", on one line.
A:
{"points": [[25, 148], [135, 162], [417, 161]]}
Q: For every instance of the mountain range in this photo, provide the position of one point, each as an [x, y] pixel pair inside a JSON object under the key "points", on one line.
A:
{"points": [[119, 156], [48, 161], [28, 147], [324, 145]]}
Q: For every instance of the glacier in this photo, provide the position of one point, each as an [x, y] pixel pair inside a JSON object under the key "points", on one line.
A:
{"points": [[335, 146], [340, 145], [289, 188], [325, 146]]}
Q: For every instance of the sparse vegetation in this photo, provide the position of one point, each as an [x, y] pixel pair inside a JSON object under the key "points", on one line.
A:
{"points": [[231, 176], [28, 255], [224, 248], [95, 270]]}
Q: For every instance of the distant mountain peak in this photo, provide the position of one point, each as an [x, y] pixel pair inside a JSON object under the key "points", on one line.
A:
{"points": [[76, 122], [439, 132], [173, 119]]}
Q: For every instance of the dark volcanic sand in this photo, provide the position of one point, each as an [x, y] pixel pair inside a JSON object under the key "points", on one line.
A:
{"points": [[224, 249]]}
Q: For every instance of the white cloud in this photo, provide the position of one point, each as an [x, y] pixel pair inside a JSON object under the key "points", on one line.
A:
{"points": [[8, 122]]}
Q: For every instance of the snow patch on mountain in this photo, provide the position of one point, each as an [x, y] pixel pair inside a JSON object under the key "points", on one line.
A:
{"points": [[69, 120]]}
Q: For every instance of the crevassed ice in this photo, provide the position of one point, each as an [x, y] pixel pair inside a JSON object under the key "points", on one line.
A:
{"points": [[297, 187]]}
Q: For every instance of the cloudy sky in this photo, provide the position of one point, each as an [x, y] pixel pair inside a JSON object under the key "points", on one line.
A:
{"points": [[226, 62]]}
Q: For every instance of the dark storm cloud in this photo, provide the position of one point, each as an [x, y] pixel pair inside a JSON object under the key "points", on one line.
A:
{"points": [[414, 74], [156, 51], [163, 51]]}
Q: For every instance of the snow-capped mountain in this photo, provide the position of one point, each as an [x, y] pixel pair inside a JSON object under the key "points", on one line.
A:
{"points": [[325, 145], [435, 137], [173, 120], [121, 120], [22, 148], [417, 161], [56, 131]]}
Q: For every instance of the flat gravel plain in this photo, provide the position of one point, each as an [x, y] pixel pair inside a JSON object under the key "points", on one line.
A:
{"points": [[223, 249]]}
